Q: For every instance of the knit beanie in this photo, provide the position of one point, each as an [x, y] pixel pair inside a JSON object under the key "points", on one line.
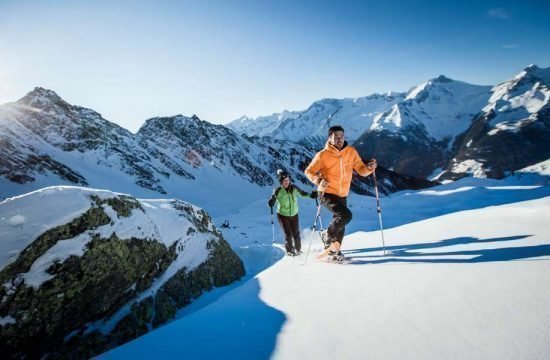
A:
{"points": [[281, 175]]}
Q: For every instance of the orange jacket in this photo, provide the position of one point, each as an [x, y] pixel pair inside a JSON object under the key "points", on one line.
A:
{"points": [[336, 167]]}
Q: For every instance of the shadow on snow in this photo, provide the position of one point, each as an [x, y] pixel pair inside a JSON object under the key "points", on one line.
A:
{"points": [[232, 328], [413, 253]]}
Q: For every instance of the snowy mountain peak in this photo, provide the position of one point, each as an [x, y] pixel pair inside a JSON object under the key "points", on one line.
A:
{"points": [[243, 120], [529, 76], [442, 79], [261, 126], [41, 97], [392, 94], [535, 73], [169, 122], [442, 106], [443, 82], [530, 89]]}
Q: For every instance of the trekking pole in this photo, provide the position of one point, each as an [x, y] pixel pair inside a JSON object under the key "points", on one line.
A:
{"points": [[379, 210], [272, 226], [313, 228]]}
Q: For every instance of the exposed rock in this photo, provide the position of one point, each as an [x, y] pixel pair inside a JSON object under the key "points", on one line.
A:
{"points": [[51, 318]]}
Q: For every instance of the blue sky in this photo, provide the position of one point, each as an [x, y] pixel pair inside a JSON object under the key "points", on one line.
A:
{"points": [[131, 60]]}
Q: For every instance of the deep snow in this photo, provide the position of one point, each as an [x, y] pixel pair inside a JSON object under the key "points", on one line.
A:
{"points": [[466, 277]]}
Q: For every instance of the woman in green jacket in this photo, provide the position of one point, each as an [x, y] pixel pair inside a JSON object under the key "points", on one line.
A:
{"points": [[286, 195]]}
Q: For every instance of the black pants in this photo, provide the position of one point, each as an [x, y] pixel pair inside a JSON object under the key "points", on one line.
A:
{"points": [[291, 228], [341, 216]]}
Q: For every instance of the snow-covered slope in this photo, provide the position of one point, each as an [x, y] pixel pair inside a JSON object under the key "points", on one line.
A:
{"points": [[512, 131], [465, 277], [77, 263], [542, 168]]}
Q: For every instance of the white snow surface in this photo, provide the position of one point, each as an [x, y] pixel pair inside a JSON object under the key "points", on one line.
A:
{"points": [[470, 167], [37, 212], [542, 168], [465, 277], [7, 320]]}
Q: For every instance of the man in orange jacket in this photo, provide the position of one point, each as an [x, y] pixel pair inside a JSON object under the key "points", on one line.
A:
{"points": [[331, 170]]}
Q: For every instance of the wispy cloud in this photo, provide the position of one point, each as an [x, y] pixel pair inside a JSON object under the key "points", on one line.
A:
{"points": [[510, 46], [499, 13]]}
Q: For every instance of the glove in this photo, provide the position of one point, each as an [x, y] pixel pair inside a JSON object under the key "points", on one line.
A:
{"points": [[322, 185], [372, 164], [271, 202], [314, 194]]}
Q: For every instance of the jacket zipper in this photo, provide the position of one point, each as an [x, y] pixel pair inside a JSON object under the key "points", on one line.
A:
{"points": [[290, 200], [289, 197], [341, 173]]}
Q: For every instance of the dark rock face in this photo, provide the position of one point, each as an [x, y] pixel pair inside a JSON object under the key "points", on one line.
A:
{"points": [[510, 133], [388, 182], [51, 320], [17, 169], [416, 156], [503, 152]]}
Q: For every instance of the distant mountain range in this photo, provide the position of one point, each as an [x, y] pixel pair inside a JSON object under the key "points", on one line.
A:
{"points": [[46, 141], [442, 128]]}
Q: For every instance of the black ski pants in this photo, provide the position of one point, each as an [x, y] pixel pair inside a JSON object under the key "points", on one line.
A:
{"points": [[341, 216], [291, 228]]}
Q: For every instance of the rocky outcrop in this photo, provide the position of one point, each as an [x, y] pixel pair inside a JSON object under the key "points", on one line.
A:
{"points": [[418, 155], [113, 264], [388, 182]]}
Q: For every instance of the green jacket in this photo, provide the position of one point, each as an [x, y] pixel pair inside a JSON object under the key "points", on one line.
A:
{"points": [[287, 199]]}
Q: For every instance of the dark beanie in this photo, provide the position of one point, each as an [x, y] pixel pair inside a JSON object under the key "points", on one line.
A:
{"points": [[335, 128], [281, 175]]}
